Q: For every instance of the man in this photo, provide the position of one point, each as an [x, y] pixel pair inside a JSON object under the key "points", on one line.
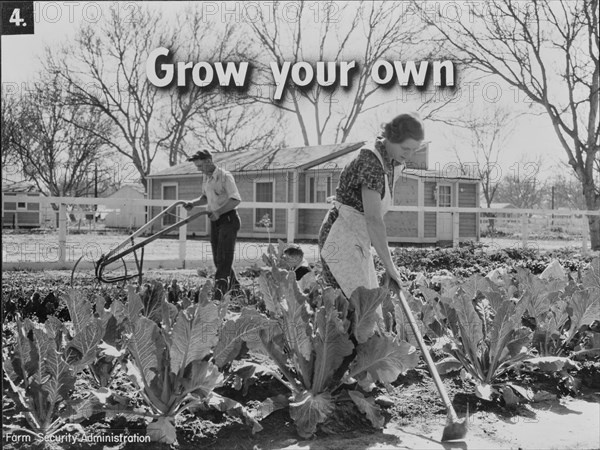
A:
{"points": [[221, 197]]}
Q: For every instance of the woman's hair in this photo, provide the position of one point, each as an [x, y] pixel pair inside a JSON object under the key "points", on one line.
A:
{"points": [[402, 127]]}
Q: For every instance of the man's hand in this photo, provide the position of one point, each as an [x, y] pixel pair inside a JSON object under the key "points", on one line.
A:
{"points": [[213, 215], [188, 205]]}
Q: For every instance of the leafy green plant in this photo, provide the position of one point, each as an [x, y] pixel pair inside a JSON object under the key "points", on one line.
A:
{"points": [[41, 380], [170, 364], [562, 312], [479, 324], [96, 340], [320, 347]]}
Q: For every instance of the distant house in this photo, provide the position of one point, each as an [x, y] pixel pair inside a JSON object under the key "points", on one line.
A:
{"points": [[502, 206], [304, 178], [131, 215], [21, 214]]}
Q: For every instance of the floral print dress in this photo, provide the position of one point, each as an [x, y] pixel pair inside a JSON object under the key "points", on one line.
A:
{"points": [[365, 169]]}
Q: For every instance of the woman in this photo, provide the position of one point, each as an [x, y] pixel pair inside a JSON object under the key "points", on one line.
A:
{"points": [[363, 196]]}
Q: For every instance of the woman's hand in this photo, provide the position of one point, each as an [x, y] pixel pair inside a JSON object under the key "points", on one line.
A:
{"points": [[392, 280]]}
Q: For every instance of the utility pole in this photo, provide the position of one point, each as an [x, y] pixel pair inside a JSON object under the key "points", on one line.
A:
{"points": [[96, 185], [552, 204]]}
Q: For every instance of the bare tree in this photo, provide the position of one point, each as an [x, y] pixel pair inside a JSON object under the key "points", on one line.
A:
{"points": [[223, 119], [567, 192], [241, 128], [104, 69], [50, 139], [488, 132], [9, 130], [371, 31], [549, 52], [523, 188]]}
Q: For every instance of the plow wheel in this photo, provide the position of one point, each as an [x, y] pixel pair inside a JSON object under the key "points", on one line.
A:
{"points": [[82, 274]]}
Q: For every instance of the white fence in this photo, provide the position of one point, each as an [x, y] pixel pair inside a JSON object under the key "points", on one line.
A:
{"points": [[526, 222]]}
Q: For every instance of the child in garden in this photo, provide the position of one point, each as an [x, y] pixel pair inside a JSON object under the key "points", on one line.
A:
{"points": [[293, 259]]}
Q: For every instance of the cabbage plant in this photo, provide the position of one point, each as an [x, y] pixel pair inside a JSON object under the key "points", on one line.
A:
{"points": [[319, 346]]}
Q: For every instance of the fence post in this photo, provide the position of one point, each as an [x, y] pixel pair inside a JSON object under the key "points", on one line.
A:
{"points": [[292, 213], [525, 229], [585, 234], [182, 237], [455, 229], [62, 233]]}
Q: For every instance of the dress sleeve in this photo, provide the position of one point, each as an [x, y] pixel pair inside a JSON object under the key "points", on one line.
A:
{"points": [[370, 171]]}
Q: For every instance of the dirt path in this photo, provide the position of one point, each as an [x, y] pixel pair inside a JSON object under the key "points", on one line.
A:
{"points": [[564, 424]]}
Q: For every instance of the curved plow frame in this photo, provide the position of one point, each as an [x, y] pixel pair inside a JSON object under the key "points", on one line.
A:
{"points": [[118, 253]]}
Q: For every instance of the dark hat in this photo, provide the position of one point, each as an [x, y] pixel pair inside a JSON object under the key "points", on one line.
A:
{"points": [[202, 154]]}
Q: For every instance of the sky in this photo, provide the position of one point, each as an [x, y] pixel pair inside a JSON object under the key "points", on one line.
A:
{"points": [[533, 137]]}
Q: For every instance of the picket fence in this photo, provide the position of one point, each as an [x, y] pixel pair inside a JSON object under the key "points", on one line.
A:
{"points": [[527, 223]]}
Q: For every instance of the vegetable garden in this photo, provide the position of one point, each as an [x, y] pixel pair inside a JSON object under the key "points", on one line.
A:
{"points": [[507, 329]]}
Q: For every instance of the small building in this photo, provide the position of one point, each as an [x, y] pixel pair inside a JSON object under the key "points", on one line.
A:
{"points": [[132, 214], [21, 213], [304, 177]]}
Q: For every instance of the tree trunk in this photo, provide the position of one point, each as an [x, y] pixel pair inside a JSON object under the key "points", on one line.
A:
{"points": [[593, 204], [594, 222]]}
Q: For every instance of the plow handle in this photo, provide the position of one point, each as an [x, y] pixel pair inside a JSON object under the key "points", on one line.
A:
{"points": [[113, 256]]}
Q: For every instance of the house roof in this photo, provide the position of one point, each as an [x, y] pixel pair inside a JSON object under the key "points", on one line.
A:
{"points": [[300, 158], [322, 157], [20, 186], [138, 187], [341, 161], [501, 205]]}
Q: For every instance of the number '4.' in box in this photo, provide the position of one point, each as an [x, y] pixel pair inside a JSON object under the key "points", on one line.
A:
{"points": [[17, 18]]}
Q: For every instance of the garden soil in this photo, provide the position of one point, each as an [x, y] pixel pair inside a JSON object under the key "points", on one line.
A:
{"points": [[416, 418]]}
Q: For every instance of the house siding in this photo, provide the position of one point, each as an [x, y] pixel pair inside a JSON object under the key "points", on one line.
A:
{"points": [[400, 225], [467, 198], [430, 218], [404, 224], [406, 191], [430, 224], [246, 186], [302, 188], [188, 188], [309, 221], [28, 217], [24, 218]]}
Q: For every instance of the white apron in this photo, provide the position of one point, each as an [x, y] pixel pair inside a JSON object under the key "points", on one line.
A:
{"points": [[347, 249]]}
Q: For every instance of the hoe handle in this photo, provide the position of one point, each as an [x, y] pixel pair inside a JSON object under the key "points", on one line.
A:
{"points": [[430, 364]]}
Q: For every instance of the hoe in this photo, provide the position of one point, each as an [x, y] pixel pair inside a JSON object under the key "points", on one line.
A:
{"points": [[455, 429]]}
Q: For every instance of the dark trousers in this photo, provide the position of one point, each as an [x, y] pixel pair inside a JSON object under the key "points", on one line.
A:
{"points": [[223, 234]]}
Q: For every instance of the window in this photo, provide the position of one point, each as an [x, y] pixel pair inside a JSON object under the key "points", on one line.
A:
{"points": [[444, 196], [264, 218], [318, 188], [21, 205], [169, 192]]}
